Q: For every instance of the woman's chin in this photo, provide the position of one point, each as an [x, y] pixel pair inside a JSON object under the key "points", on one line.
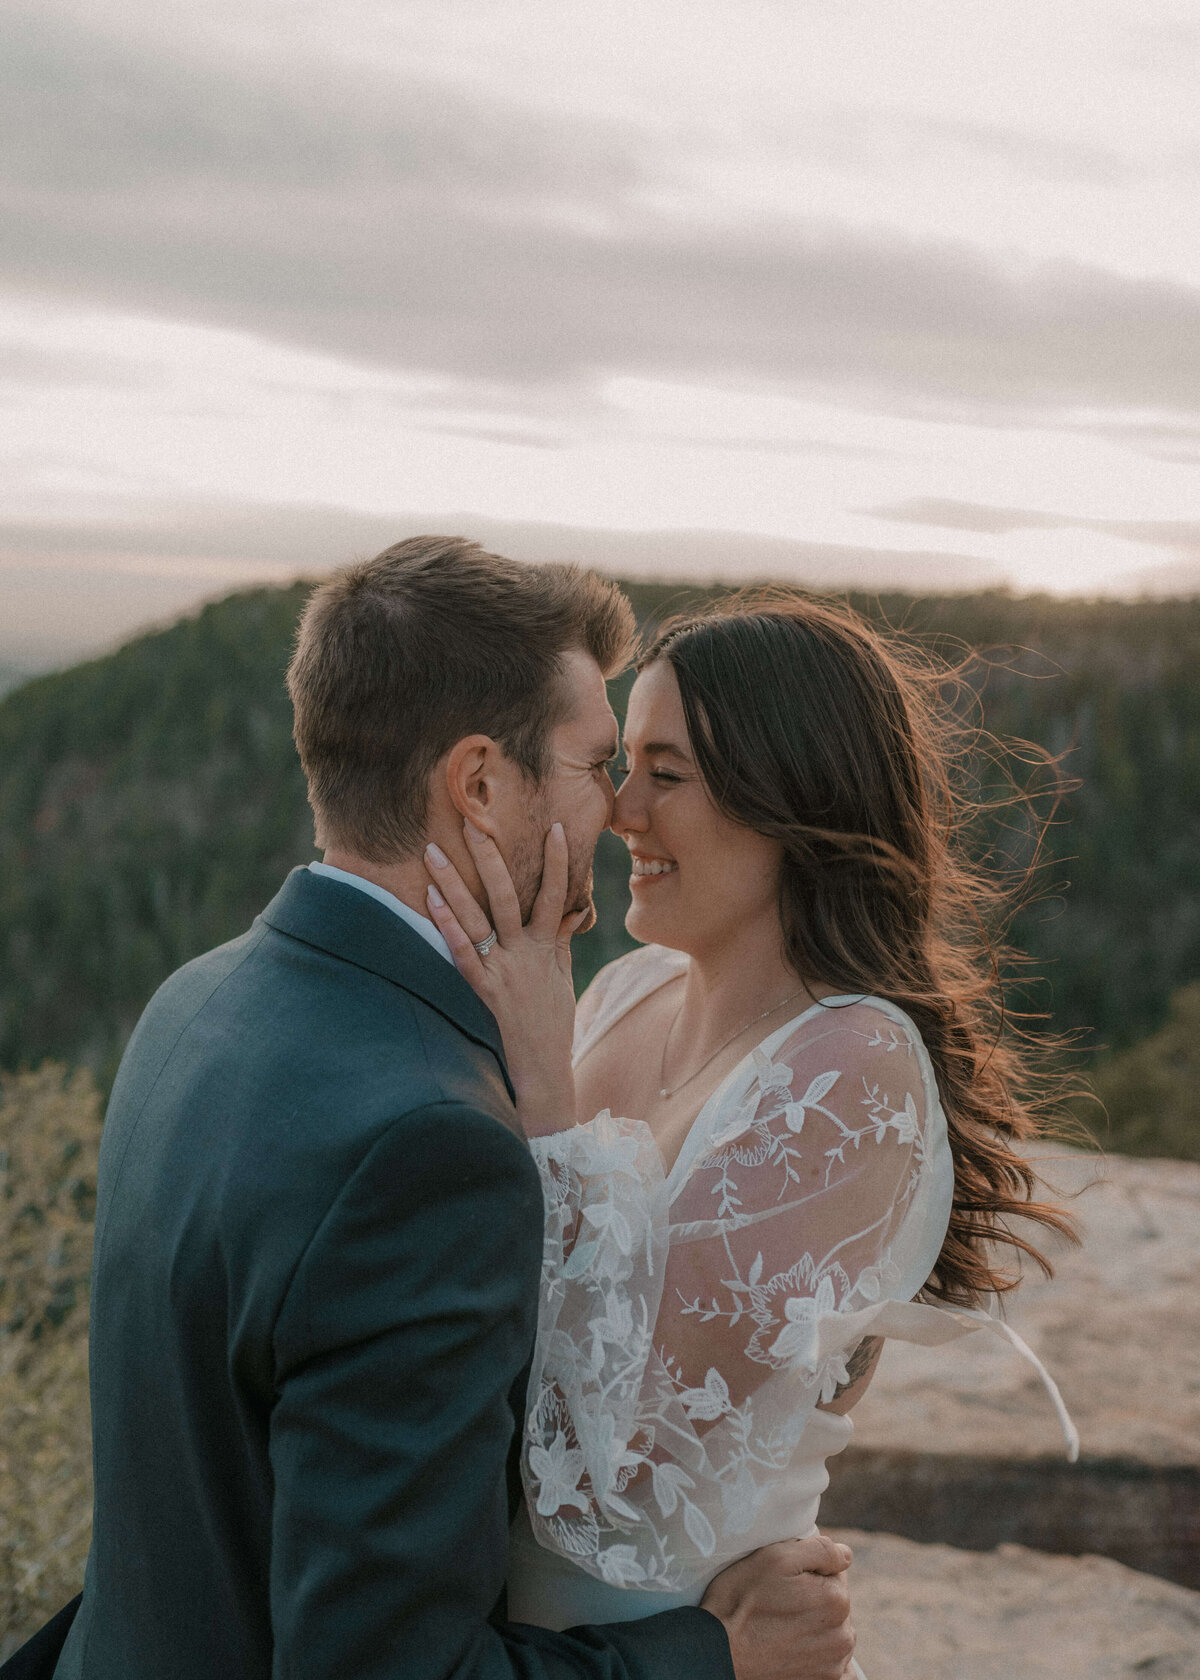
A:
{"points": [[650, 926]]}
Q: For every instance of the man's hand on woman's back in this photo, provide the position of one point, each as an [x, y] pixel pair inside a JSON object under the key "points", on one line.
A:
{"points": [[786, 1610]]}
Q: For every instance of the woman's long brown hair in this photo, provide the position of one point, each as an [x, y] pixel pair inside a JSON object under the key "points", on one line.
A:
{"points": [[811, 726]]}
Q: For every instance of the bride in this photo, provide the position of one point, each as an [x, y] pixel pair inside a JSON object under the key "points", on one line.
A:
{"points": [[794, 1106]]}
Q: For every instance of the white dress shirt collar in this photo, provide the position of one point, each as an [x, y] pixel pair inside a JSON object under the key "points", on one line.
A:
{"points": [[418, 923]]}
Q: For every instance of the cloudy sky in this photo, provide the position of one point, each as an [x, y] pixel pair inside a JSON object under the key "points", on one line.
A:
{"points": [[842, 290]]}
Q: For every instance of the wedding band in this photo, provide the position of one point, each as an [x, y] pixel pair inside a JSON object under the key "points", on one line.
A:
{"points": [[483, 946]]}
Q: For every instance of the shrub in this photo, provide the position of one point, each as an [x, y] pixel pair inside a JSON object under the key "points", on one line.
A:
{"points": [[49, 1140]]}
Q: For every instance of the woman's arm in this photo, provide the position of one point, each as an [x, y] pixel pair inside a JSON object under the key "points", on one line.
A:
{"points": [[800, 1211]]}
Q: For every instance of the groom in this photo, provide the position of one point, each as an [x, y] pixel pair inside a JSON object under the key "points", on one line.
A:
{"points": [[319, 1228]]}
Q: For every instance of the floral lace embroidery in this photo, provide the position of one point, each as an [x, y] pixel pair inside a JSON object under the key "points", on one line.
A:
{"points": [[689, 1329]]}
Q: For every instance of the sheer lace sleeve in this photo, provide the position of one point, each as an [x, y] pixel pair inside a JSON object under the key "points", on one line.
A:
{"points": [[603, 1263], [695, 1322], [796, 1206]]}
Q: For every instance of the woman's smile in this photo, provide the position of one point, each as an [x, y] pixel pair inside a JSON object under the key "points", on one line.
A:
{"points": [[643, 869]]}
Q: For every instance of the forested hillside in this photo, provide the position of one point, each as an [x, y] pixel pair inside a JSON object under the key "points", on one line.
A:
{"points": [[11, 675], [151, 802]]}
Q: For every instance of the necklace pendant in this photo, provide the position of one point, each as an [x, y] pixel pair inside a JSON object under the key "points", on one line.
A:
{"points": [[664, 1092]]}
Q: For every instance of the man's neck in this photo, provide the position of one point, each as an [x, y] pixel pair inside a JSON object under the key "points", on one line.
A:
{"points": [[406, 881]]}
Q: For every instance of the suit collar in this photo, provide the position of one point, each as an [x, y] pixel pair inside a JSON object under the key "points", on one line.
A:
{"points": [[350, 925]]}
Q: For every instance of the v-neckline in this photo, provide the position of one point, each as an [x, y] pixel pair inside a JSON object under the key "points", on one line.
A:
{"points": [[690, 1147], [693, 1144]]}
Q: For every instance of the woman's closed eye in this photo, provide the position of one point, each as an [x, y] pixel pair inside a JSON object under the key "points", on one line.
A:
{"points": [[623, 770]]}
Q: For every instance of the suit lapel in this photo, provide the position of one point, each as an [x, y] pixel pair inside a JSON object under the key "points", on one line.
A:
{"points": [[352, 926]]}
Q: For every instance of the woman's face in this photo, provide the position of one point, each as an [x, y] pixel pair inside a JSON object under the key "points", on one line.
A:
{"points": [[699, 880]]}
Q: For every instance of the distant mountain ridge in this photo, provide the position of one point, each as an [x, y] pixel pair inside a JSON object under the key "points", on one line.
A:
{"points": [[151, 803], [142, 561], [12, 676]]}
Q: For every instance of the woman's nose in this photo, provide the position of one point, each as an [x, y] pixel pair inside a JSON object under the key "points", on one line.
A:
{"points": [[627, 816]]}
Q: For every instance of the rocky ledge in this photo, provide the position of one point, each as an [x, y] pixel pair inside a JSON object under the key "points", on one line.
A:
{"points": [[961, 1445], [933, 1613]]}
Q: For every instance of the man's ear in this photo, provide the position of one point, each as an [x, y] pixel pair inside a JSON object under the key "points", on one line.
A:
{"points": [[477, 772]]}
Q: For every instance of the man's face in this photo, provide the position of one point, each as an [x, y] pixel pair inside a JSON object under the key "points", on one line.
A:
{"points": [[577, 792]]}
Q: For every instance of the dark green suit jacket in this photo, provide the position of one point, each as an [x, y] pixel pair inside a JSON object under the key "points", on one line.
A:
{"points": [[317, 1255]]}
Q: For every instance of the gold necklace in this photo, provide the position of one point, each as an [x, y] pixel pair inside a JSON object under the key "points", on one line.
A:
{"points": [[754, 1020]]}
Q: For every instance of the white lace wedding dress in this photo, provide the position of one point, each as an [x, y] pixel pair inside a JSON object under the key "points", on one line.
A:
{"points": [[805, 1211]]}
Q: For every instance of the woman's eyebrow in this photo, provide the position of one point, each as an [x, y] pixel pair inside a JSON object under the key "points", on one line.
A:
{"points": [[658, 748]]}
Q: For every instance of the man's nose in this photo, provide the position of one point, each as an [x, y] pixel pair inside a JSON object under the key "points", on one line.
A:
{"points": [[611, 805]]}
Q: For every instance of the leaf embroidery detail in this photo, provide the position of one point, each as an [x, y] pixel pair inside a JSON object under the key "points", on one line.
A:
{"points": [[699, 1529], [819, 1088], [558, 1469], [797, 1342], [619, 1566], [667, 1479], [710, 1402]]}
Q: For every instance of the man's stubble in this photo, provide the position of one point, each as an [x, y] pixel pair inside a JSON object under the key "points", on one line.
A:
{"points": [[527, 862]]}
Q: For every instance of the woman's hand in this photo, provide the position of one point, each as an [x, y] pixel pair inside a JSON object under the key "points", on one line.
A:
{"points": [[525, 978]]}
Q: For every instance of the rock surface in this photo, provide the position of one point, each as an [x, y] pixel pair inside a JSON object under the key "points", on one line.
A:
{"points": [[961, 1445], [932, 1613], [1118, 1326]]}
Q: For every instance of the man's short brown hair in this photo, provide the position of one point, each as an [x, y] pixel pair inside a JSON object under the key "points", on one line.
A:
{"points": [[399, 657]]}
